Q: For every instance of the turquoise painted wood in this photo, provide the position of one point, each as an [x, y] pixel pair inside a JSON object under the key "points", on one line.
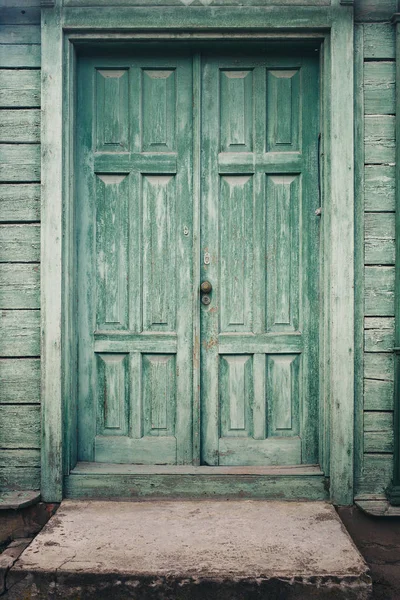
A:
{"points": [[259, 248]]}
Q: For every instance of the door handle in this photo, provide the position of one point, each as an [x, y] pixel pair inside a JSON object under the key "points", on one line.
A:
{"points": [[205, 287]]}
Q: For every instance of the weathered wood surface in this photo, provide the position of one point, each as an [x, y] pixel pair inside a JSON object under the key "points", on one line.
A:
{"points": [[378, 395], [379, 334], [379, 239], [376, 475], [374, 10], [19, 34], [379, 188], [378, 432], [19, 126], [19, 380], [19, 55], [23, 478], [379, 291], [19, 162], [20, 426], [20, 333], [19, 202], [379, 88], [19, 88], [21, 15], [19, 286], [379, 366], [20, 457], [379, 41], [20, 243], [380, 139]]}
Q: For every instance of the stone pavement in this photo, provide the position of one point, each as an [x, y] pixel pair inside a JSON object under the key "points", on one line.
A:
{"points": [[199, 549]]}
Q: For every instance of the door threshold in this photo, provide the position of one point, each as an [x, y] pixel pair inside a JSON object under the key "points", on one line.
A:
{"points": [[123, 481]]}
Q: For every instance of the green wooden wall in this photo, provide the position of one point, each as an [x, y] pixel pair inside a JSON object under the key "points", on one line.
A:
{"points": [[19, 245], [375, 223]]}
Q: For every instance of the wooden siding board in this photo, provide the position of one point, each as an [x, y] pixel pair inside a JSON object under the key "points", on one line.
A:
{"points": [[20, 426], [20, 162], [376, 476], [20, 333], [379, 291], [19, 458], [20, 15], [379, 239], [379, 41], [23, 478], [379, 441], [18, 125], [19, 286], [379, 334], [374, 10], [19, 380], [19, 88], [19, 243], [19, 55], [380, 139], [378, 395], [19, 202], [379, 366], [379, 188], [19, 34], [379, 88]]}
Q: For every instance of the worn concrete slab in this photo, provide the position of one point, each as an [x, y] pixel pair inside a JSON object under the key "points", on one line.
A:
{"points": [[244, 549]]}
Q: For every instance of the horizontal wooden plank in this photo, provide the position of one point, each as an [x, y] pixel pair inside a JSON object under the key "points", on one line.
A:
{"points": [[20, 55], [378, 421], [24, 478], [20, 333], [379, 191], [20, 3], [379, 238], [19, 380], [379, 88], [379, 334], [19, 202], [19, 88], [19, 426], [376, 475], [379, 366], [378, 395], [20, 162], [20, 15], [20, 125], [379, 41], [20, 243], [380, 139], [19, 34], [19, 286], [379, 285], [379, 441], [20, 458], [374, 10]]}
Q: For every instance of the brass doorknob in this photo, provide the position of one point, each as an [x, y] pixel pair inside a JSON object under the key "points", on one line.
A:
{"points": [[206, 287]]}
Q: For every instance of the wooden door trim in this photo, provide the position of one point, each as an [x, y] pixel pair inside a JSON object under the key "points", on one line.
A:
{"points": [[62, 30]]}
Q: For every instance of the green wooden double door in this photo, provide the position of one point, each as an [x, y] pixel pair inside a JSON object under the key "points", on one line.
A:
{"points": [[196, 168]]}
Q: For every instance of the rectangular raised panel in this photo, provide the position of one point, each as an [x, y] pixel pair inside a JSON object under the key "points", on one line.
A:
{"points": [[283, 394], [159, 253], [112, 110], [236, 111], [283, 110], [112, 251], [236, 395], [159, 402], [113, 395], [236, 252], [283, 251], [158, 110]]}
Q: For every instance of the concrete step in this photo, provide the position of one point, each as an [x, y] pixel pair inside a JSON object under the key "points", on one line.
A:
{"points": [[199, 549]]}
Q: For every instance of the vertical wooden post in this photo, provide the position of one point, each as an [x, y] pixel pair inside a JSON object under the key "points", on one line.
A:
{"points": [[342, 259], [51, 253], [394, 491]]}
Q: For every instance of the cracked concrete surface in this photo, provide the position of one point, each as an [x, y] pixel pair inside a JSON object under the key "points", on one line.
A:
{"points": [[192, 549]]}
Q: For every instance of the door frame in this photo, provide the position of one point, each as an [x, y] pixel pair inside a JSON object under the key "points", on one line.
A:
{"points": [[66, 27]]}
